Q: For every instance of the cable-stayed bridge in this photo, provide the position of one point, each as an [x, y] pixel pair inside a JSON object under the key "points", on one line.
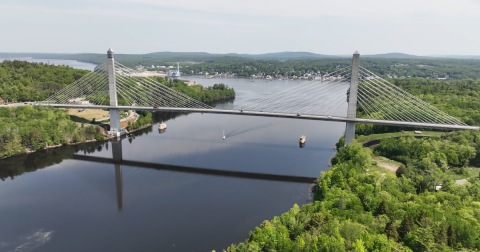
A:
{"points": [[115, 87]]}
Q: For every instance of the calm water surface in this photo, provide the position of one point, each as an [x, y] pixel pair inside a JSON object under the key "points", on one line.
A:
{"points": [[57, 201]]}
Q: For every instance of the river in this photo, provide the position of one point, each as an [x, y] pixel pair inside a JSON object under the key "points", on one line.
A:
{"points": [[57, 201], [58, 62]]}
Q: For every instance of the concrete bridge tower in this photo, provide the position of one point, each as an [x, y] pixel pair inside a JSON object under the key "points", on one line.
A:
{"points": [[352, 99], [112, 87]]}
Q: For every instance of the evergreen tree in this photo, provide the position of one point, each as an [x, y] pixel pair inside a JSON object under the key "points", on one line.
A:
{"points": [[424, 219], [406, 227], [382, 209], [232, 248], [317, 220], [452, 237], [442, 236], [402, 170], [391, 230]]}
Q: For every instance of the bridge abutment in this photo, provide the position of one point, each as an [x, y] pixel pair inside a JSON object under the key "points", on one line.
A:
{"points": [[352, 99]]}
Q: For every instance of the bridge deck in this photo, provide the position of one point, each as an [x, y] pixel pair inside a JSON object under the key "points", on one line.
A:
{"points": [[280, 115]]}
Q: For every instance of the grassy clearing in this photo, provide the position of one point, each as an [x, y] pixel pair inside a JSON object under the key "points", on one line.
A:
{"points": [[88, 114], [364, 139], [377, 169], [467, 173], [386, 164]]}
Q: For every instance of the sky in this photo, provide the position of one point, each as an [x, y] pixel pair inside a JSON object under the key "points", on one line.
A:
{"points": [[335, 27]]}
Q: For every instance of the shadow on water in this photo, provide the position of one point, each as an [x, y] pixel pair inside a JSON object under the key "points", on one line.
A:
{"points": [[161, 117], [164, 204], [196, 170], [18, 165], [222, 104]]}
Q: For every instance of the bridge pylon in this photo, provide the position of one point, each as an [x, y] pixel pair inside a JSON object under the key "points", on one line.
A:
{"points": [[115, 128], [352, 100]]}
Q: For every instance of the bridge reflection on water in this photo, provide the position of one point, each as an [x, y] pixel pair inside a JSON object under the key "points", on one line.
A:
{"points": [[118, 161]]}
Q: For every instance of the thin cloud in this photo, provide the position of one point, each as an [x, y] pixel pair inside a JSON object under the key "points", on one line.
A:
{"points": [[365, 9], [157, 15]]}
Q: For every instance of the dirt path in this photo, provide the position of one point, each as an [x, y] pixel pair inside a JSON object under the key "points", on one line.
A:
{"points": [[390, 167]]}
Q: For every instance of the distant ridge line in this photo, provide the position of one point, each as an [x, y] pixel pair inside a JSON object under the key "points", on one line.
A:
{"points": [[193, 56]]}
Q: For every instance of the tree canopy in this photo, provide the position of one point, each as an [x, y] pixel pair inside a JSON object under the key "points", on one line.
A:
{"points": [[24, 81], [354, 210]]}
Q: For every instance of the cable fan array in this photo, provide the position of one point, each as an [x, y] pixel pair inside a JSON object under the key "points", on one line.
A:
{"points": [[93, 89], [377, 98], [92, 86], [380, 99], [146, 92], [308, 98]]}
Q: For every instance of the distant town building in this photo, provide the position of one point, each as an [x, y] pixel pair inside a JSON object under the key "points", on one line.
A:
{"points": [[175, 74]]}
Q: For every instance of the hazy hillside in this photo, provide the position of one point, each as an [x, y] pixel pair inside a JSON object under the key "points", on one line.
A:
{"points": [[167, 57]]}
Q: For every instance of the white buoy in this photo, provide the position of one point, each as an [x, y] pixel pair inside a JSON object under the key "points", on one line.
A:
{"points": [[223, 135]]}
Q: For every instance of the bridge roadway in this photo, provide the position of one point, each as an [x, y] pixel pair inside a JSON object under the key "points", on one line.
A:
{"points": [[280, 115]]}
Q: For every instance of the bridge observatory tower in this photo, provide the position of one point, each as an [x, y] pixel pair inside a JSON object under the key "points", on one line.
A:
{"points": [[352, 100], [112, 88]]}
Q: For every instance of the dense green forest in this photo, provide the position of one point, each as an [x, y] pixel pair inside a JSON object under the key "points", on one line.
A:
{"points": [[23, 81], [204, 94], [358, 210], [458, 98], [288, 64], [35, 128], [30, 128], [422, 68]]}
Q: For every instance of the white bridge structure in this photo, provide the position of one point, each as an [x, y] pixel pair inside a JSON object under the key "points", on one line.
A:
{"points": [[115, 87]]}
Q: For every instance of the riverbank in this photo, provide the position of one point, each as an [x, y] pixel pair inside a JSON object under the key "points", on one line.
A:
{"points": [[357, 209], [209, 77], [34, 132], [106, 138]]}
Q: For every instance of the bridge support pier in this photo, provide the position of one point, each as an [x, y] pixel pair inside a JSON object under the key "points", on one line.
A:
{"points": [[349, 133], [115, 128], [352, 100]]}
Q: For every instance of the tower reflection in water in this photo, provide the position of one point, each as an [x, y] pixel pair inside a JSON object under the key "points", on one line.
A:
{"points": [[117, 159]]}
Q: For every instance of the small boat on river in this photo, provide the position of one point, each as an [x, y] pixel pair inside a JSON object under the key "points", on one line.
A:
{"points": [[302, 139], [162, 127]]}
